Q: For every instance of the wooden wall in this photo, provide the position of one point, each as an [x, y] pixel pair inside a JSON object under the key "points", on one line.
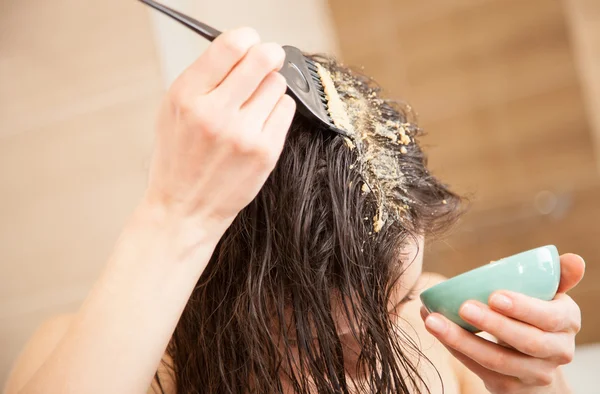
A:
{"points": [[496, 86]]}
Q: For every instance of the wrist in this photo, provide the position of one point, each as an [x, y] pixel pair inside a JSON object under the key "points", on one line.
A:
{"points": [[184, 236], [195, 216]]}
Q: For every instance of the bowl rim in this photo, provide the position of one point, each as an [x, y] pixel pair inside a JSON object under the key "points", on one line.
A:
{"points": [[490, 266]]}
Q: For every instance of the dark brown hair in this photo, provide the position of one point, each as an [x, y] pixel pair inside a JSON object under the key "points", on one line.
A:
{"points": [[306, 239]]}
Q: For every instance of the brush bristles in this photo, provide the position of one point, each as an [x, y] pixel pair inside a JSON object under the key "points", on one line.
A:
{"points": [[318, 85]]}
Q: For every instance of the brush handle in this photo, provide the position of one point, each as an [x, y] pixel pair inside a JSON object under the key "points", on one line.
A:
{"points": [[201, 28]]}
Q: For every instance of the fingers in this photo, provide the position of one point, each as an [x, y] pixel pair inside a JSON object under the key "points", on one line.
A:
{"points": [[266, 146], [493, 381], [424, 313], [572, 268], [263, 101], [278, 123], [523, 337], [489, 355], [559, 315], [221, 56], [245, 78], [485, 374]]}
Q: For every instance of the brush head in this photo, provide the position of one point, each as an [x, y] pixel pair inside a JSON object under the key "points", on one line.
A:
{"points": [[301, 74], [305, 86]]}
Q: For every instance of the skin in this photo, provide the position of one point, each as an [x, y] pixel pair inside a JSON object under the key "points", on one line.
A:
{"points": [[404, 293], [534, 337], [220, 132]]}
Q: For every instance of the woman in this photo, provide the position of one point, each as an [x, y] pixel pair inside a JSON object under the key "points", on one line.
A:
{"points": [[237, 275]]}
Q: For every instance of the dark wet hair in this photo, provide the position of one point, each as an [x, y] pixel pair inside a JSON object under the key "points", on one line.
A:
{"points": [[305, 239]]}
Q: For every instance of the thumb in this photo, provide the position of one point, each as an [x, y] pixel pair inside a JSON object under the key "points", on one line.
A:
{"points": [[572, 268]]}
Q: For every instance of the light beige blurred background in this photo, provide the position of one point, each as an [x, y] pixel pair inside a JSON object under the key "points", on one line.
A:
{"points": [[508, 90]]}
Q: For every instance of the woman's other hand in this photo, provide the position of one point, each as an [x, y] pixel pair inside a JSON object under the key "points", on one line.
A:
{"points": [[220, 131], [535, 337]]}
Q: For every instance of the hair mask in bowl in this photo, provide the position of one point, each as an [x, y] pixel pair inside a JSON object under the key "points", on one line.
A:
{"points": [[535, 273]]}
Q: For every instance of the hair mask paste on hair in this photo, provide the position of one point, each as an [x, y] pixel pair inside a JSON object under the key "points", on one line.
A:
{"points": [[356, 108]]}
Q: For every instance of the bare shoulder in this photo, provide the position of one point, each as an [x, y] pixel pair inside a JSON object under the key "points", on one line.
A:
{"points": [[37, 350]]}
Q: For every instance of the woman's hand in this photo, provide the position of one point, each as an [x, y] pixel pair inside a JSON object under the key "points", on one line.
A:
{"points": [[220, 131], [535, 337]]}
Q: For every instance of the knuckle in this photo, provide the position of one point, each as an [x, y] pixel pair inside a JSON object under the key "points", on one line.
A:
{"points": [[237, 42], [566, 354], [194, 109], [241, 145], [544, 378], [495, 362], [555, 322], [267, 157], [278, 52], [279, 82], [453, 339], [567, 316], [202, 116], [249, 34], [521, 306], [234, 47], [576, 324], [576, 317], [492, 322], [531, 347], [565, 357], [177, 94], [268, 56], [198, 112], [211, 129], [288, 103], [537, 346]]}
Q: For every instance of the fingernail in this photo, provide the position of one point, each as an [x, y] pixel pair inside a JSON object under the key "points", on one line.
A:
{"points": [[501, 302], [435, 324], [471, 312]]}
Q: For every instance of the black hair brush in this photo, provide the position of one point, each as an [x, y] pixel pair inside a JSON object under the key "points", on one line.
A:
{"points": [[303, 80]]}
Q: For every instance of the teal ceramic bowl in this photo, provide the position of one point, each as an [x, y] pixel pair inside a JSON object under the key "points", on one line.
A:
{"points": [[535, 273]]}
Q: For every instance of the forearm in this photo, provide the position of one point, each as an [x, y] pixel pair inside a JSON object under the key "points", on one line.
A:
{"points": [[120, 333]]}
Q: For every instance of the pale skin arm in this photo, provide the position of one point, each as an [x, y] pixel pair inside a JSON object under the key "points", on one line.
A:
{"points": [[220, 132], [44, 341], [37, 350]]}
